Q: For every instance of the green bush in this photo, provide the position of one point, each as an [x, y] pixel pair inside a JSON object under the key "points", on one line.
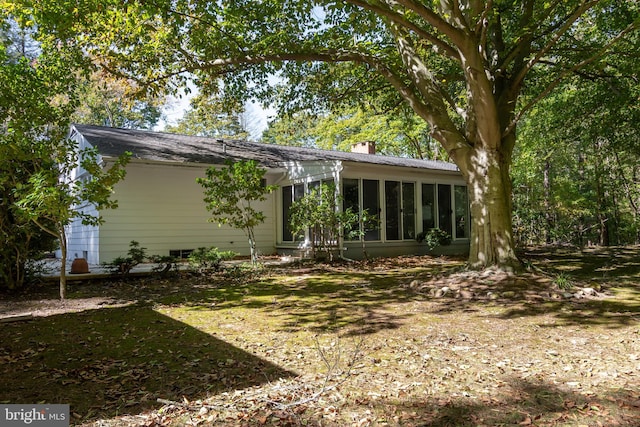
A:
{"points": [[137, 255], [434, 237], [207, 259]]}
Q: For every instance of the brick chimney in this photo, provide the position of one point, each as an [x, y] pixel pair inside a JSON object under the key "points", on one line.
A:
{"points": [[365, 147]]}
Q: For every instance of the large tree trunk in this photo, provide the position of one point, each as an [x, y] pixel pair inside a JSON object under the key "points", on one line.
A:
{"points": [[492, 243]]}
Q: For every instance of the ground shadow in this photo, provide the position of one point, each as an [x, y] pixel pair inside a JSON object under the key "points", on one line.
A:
{"points": [[610, 309], [597, 263], [319, 298], [523, 402], [614, 273], [115, 361], [355, 298], [608, 313]]}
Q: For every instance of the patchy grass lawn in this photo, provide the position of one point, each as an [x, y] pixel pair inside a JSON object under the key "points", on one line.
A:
{"points": [[406, 341]]}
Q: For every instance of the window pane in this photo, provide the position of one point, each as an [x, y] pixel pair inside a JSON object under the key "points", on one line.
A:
{"points": [[371, 203], [462, 211], [350, 194], [350, 200], [408, 210], [444, 208], [287, 198], [428, 207], [314, 233], [392, 207], [298, 191]]}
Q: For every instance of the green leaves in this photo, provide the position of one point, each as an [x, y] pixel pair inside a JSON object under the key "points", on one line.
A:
{"points": [[230, 193], [36, 99], [45, 179], [211, 116], [460, 66], [319, 214]]}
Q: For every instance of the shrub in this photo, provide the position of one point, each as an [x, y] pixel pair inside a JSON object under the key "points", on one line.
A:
{"points": [[434, 237], [206, 259], [231, 193], [137, 255]]}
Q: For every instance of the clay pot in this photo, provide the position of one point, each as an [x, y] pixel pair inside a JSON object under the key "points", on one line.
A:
{"points": [[79, 266]]}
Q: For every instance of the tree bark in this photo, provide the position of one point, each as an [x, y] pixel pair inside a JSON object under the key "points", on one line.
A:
{"points": [[252, 245], [492, 243], [63, 264], [546, 183]]}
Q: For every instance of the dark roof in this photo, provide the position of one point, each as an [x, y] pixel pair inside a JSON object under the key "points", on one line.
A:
{"points": [[159, 146]]}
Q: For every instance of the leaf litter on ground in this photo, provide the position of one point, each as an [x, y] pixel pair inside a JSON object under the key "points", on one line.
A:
{"points": [[370, 343]]}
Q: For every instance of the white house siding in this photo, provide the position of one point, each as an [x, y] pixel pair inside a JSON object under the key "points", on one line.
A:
{"points": [[161, 206], [83, 240]]}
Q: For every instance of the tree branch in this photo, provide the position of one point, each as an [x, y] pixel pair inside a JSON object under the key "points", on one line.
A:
{"points": [[568, 23], [632, 27], [430, 104], [456, 35], [402, 21], [516, 51], [456, 12], [482, 25], [45, 228]]}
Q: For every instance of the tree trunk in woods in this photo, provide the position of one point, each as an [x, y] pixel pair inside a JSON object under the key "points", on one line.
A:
{"points": [[546, 183], [602, 194]]}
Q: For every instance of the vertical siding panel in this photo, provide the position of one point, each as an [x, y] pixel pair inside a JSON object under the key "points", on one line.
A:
{"points": [[83, 240]]}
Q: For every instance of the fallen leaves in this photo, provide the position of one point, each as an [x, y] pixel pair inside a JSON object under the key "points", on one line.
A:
{"points": [[460, 359]]}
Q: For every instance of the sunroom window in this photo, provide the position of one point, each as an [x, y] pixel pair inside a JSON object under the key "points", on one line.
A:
{"points": [[446, 207], [289, 194], [400, 210], [363, 195]]}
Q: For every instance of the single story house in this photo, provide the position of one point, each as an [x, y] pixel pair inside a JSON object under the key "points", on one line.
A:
{"points": [[161, 205]]}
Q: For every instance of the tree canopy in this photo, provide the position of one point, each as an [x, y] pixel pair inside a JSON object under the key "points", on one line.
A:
{"points": [[399, 133], [29, 119], [210, 116], [106, 100], [470, 69], [577, 167], [37, 193]]}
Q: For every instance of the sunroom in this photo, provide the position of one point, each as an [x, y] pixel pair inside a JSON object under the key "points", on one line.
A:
{"points": [[405, 201]]}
